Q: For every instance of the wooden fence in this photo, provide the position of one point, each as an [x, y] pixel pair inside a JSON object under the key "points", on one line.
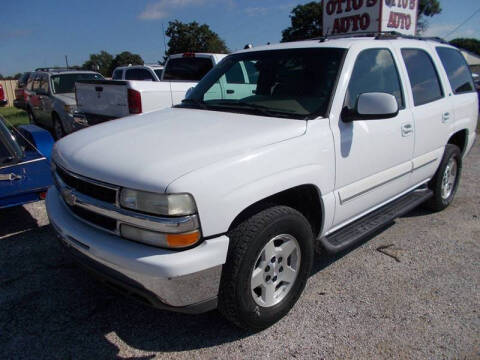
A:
{"points": [[9, 87]]}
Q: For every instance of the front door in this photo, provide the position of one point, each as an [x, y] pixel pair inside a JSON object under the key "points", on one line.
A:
{"points": [[373, 157]]}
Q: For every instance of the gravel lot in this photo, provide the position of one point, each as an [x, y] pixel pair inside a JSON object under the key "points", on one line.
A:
{"points": [[424, 302]]}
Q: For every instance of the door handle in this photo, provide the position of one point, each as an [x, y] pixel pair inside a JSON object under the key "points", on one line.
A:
{"points": [[9, 177], [230, 91], [407, 129], [445, 117]]}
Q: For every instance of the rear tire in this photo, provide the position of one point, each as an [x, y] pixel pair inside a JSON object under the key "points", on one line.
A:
{"points": [[445, 182], [269, 260]]}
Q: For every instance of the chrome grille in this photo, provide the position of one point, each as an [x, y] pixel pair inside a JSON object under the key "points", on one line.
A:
{"points": [[97, 204], [91, 188]]}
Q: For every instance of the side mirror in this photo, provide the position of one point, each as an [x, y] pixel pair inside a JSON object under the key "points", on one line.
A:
{"points": [[371, 106]]}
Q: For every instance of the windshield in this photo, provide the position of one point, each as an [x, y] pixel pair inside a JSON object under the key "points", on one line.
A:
{"points": [[294, 83], [65, 83], [10, 151]]}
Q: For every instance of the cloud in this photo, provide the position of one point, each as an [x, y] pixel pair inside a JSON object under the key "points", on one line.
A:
{"points": [[442, 30], [161, 9]]}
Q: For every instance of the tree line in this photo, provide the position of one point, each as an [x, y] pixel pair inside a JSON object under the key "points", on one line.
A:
{"points": [[306, 22]]}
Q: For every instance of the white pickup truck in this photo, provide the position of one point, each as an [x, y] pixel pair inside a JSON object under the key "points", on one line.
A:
{"points": [[99, 101], [221, 201]]}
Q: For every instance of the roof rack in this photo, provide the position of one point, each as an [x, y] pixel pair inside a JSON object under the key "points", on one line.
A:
{"points": [[379, 35], [55, 69]]}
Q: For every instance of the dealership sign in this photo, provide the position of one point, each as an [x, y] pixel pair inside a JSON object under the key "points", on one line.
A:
{"points": [[351, 16]]}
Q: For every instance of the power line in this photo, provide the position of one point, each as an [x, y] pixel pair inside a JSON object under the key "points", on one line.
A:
{"points": [[463, 23]]}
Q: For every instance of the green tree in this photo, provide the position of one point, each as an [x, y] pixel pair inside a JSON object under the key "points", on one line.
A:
{"points": [[427, 8], [100, 62], [306, 20], [1, 77], [125, 58], [193, 37], [472, 45], [17, 76]]}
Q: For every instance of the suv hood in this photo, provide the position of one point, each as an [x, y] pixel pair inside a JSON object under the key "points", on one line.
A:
{"points": [[67, 98], [149, 151]]}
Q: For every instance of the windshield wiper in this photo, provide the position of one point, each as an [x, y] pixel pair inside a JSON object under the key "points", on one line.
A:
{"points": [[196, 102], [260, 108]]}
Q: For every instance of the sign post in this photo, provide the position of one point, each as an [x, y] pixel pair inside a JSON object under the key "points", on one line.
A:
{"points": [[351, 16]]}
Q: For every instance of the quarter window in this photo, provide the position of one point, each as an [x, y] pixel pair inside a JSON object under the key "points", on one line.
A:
{"points": [[374, 71], [423, 76], [458, 73]]}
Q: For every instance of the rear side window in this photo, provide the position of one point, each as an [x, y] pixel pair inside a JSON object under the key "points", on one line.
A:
{"points": [[458, 72], [187, 68], [374, 71], [423, 76], [138, 74], [117, 74]]}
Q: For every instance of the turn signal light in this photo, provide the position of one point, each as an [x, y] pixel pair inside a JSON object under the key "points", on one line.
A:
{"points": [[183, 240]]}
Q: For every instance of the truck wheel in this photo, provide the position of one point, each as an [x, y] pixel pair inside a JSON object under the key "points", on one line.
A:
{"points": [[58, 131], [445, 182], [268, 263]]}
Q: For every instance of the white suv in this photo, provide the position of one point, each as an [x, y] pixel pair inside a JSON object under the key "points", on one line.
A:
{"points": [[220, 201]]}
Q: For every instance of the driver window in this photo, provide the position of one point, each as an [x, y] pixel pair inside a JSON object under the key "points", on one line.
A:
{"points": [[374, 71]]}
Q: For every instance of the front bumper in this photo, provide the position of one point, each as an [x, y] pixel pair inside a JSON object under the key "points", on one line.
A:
{"points": [[184, 281]]}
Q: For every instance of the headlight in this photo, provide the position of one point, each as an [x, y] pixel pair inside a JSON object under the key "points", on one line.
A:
{"points": [[172, 241], [159, 204], [70, 108]]}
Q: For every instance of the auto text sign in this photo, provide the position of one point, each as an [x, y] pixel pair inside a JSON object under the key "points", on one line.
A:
{"points": [[351, 16]]}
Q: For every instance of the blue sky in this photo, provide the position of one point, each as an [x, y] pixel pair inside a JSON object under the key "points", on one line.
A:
{"points": [[40, 33]]}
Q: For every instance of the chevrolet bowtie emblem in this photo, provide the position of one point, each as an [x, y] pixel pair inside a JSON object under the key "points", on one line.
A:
{"points": [[69, 197]]}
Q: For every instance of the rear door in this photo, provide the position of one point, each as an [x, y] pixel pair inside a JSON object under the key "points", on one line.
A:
{"points": [[432, 111], [373, 157]]}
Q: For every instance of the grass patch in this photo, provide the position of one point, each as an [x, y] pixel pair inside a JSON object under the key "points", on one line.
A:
{"points": [[14, 116]]}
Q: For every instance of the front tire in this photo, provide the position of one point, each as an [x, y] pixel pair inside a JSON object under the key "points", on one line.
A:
{"points": [[268, 263], [58, 131], [445, 182]]}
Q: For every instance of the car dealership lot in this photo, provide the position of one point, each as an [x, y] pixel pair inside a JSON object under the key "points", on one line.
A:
{"points": [[412, 291]]}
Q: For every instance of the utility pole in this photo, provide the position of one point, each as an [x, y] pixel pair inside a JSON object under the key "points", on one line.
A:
{"points": [[66, 60]]}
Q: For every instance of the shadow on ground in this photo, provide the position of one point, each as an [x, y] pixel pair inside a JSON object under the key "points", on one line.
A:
{"points": [[50, 307]]}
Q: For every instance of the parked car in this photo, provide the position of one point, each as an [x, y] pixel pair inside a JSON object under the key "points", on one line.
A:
{"points": [[24, 164], [145, 72], [476, 80], [220, 201], [3, 97], [19, 101], [51, 98], [100, 101]]}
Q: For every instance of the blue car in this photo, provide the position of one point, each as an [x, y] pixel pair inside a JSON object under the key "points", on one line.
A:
{"points": [[24, 164]]}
